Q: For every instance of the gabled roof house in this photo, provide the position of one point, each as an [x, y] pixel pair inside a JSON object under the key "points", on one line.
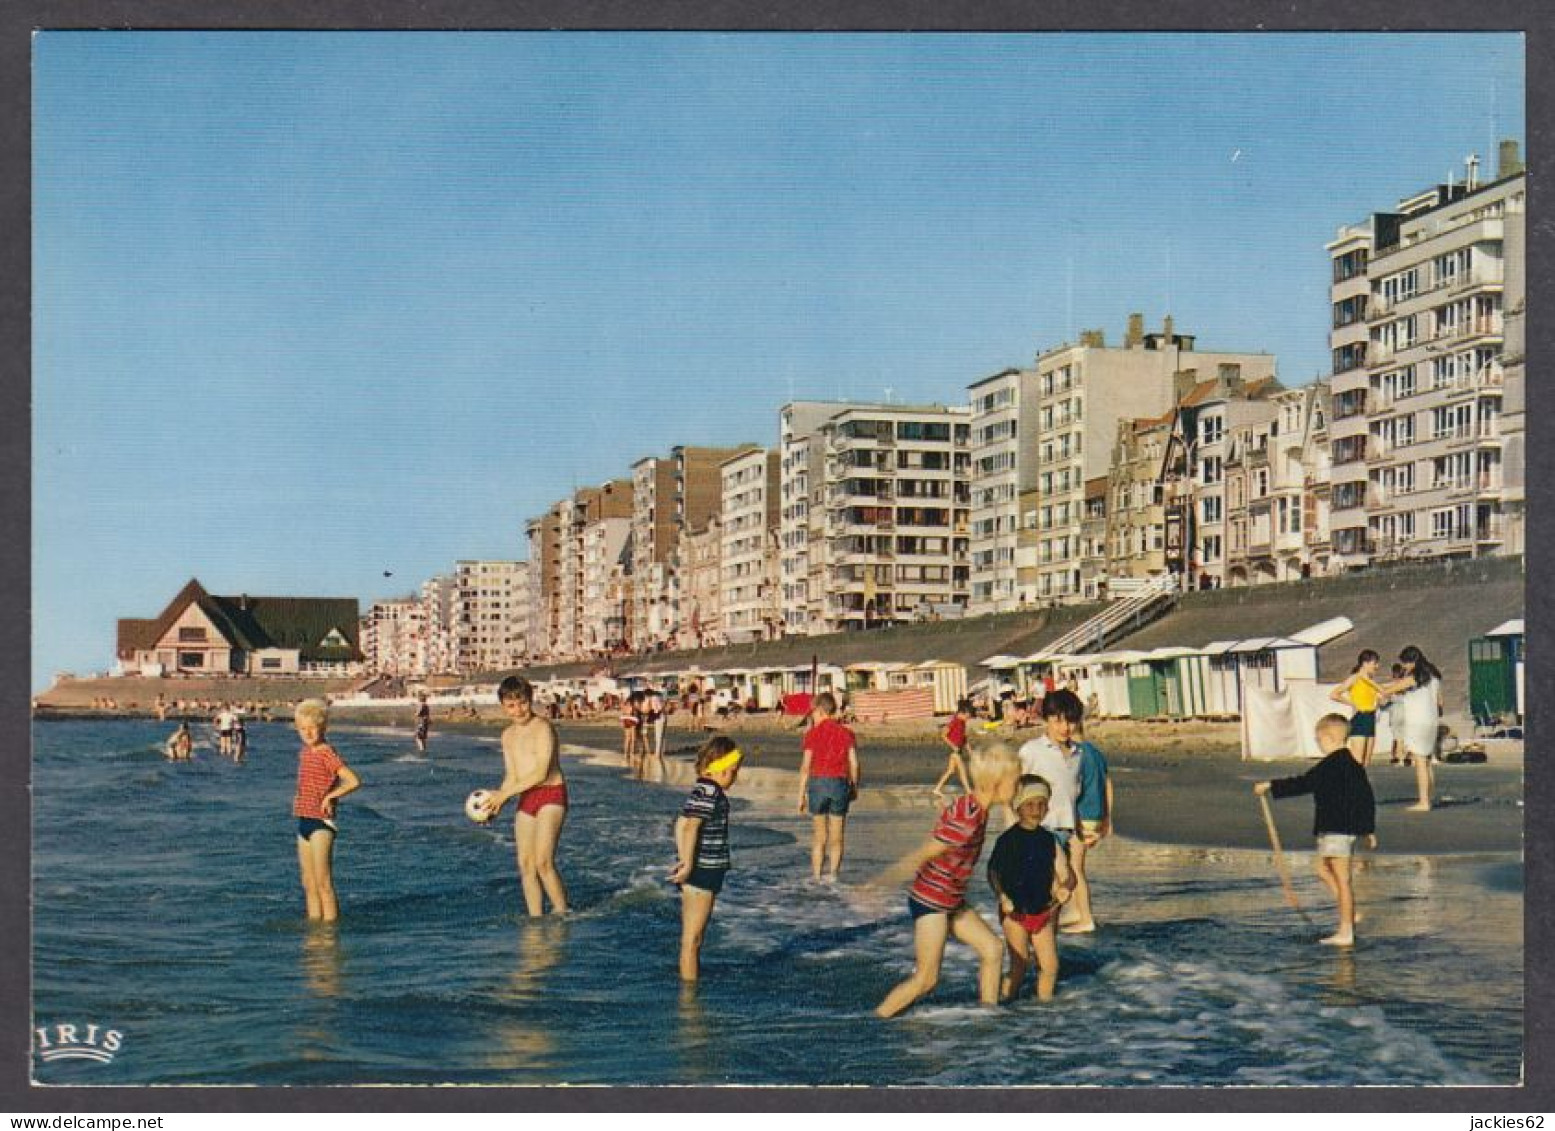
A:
{"points": [[199, 633]]}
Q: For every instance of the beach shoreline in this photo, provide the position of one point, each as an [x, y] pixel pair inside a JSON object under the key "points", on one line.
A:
{"points": [[1194, 799]]}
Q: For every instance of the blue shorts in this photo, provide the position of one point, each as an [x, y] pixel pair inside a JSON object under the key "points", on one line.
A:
{"points": [[1363, 724], [708, 879], [307, 826], [918, 909], [828, 797]]}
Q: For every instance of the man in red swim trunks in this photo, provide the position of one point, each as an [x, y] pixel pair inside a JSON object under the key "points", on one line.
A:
{"points": [[533, 775]]}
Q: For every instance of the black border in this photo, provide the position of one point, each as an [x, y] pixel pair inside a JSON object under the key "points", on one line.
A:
{"points": [[18, 20]]}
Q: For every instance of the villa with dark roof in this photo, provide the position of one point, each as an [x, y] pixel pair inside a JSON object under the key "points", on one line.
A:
{"points": [[202, 634]]}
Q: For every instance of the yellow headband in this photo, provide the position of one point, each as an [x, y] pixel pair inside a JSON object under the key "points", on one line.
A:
{"points": [[727, 762]]}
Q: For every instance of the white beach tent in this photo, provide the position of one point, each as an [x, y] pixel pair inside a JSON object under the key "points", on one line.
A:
{"points": [[948, 681], [1003, 673]]}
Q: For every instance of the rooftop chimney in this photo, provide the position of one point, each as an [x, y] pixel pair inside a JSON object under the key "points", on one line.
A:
{"points": [[1471, 180], [1182, 383], [1166, 329], [1231, 378], [1136, 332], [1508, 163]]}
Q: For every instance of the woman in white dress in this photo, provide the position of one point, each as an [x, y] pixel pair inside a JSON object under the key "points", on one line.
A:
{"points": [[1419, 712]]}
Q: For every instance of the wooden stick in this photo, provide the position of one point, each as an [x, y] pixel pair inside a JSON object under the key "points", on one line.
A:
{"points": [[1279, 856]]}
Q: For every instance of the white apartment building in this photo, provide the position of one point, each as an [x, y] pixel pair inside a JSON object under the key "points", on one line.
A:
{"points": [[603, 553], [437, 598], [1003, 464], [701, 555], [749, 521], [394, 637], [801, 541], [1286, 465], [491, 603], [1083, 391], [1419, 298], [544, 537], [897, 503], [653, 548], [580, 578]]}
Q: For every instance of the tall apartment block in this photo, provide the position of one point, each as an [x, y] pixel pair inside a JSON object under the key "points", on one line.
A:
{"points": [[437, 598], [582, 569], [748, 600], [394, 637], [1136, 513], [1214, 419], [701, 591], [1422, 464], [491, 615], [1083, 390], [669, 496], [801, 516], [653, 548], [545, 549], [603, 616], [1003, 464], [897, 500], [1276, 472]]}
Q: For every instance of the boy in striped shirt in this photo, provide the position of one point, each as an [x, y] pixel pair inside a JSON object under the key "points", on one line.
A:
{"points": [[322, 780], [941, 870]]}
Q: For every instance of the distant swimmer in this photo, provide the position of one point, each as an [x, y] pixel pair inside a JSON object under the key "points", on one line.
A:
{"points": [[224, 719], [702, 847], [180, 744], [1345, 811], [941, 870], [533, 773], [322, 780], [423, 723]]}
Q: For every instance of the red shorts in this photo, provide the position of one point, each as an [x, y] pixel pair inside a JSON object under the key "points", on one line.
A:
{"points": [[1034, 923], [531, 801]]}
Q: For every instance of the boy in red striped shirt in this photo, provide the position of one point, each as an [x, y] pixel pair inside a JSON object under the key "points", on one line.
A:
{"points": [[942, 868], [322, 779]]}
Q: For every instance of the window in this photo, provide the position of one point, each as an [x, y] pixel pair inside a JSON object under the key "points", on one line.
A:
{"points": [[1211, 429], [1210, 508], [1212, 548], [270, 663], [191, 659], [1211, 469], [192, 635]]}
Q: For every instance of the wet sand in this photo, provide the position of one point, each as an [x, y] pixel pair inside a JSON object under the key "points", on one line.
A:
{"points": [[1188, 786]]}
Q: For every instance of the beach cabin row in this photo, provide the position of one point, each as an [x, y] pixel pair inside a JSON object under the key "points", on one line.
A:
{"points": [[770, 688], [1176, 682]]}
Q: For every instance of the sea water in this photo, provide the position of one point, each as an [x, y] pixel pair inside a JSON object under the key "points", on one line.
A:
{"points": [[167, 909]]}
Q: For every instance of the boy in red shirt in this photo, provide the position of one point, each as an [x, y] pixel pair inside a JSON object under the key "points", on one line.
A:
{"points": [[942, 868], [828, 783], [322, 779]]}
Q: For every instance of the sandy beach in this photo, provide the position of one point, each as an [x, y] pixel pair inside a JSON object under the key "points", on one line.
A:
{"points": [[1175, 783]]}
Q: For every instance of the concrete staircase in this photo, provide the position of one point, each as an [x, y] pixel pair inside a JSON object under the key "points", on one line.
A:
{"points": [[1149, 602]]}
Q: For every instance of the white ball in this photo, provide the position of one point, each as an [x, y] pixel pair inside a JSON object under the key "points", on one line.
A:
{"points": [[475, 805]]}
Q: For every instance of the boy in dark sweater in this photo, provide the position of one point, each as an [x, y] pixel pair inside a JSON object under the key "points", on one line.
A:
{"points": [[1346, 810]]}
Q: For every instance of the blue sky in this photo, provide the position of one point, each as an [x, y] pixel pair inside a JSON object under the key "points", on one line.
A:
{"points": [[311, 307]]}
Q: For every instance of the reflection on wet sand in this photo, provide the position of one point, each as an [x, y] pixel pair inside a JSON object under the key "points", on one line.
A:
{"points": [[520, 1043], [321, 960], [320, 963]]}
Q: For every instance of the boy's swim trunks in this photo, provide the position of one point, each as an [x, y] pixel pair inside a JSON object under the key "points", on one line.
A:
{"points": [[531, 801]]}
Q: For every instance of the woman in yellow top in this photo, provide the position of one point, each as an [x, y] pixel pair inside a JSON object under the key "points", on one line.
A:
{"points": [[1361, 691]]}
